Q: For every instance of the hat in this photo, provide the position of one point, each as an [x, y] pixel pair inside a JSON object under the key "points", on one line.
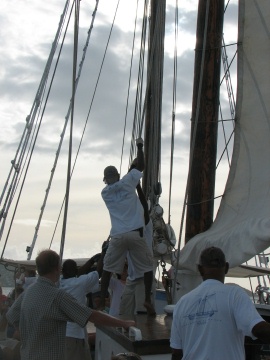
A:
{"points": [[110, 171], [212, 257]]}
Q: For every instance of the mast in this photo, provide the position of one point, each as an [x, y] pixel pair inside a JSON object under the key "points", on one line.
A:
{"points": [[152, 136], [204, 119]]}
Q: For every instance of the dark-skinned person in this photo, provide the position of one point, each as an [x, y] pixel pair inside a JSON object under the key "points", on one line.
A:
{"points": [[79, 284], [211, 321], [127, 228]]}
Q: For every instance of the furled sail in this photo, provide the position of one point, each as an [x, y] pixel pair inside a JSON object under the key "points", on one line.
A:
{"points": [[242, 225]]}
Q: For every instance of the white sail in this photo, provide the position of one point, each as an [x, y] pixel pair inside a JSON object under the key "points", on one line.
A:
{"points": [[242, 225]]}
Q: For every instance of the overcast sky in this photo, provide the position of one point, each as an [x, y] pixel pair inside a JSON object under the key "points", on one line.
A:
{"points": [[26, 34]]}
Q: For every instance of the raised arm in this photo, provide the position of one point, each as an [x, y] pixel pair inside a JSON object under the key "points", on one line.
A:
{"points": [[87, 267], [144, 203], [140, 155], [98, 258]]}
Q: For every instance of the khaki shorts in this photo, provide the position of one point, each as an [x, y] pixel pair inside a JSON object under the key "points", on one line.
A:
{"points": [[139, 252], [132, 300]]}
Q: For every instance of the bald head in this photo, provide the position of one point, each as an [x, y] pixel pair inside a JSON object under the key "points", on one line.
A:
{"points": [[111, 175], [212, 257], [212, 264]]}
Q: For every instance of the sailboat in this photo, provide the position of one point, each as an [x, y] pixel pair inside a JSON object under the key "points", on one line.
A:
{"points": [[241, 227]]}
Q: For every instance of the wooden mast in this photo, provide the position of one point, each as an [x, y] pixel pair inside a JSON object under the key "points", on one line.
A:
{"points": [[201, 188], [152, 136]]}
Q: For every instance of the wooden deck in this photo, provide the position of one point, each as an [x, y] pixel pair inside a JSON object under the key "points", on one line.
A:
{"points": [[155, 338]]}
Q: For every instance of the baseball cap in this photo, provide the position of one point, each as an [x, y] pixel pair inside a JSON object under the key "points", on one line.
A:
{"points": [[212, 257], [110, 171]]}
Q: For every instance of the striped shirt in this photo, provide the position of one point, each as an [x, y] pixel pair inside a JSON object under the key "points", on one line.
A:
{"points": [[42, 312]]}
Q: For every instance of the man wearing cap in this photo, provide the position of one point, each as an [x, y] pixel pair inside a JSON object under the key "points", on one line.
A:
{"points": [[127, 227], [211, 321]]}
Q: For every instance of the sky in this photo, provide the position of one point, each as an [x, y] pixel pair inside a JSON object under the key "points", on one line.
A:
{"points": [[27, 31]]}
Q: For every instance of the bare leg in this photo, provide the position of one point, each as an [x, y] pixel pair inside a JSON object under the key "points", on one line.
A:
{"points": [[105, 280], [148, 280]]}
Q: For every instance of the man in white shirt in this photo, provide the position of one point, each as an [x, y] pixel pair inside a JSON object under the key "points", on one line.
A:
{"points": [[127, 227], [77, 346], [211, 321]]}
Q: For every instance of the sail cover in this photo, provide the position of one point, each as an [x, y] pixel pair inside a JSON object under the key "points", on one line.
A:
{"points": [[242, 224]]}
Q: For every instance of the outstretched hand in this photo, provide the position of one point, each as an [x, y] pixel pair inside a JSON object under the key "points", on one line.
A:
{"points": [[128, 323], [95, 258]]}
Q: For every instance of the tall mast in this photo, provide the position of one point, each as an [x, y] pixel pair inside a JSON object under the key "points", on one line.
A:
{"points": [[152, 134], [204, 120]]}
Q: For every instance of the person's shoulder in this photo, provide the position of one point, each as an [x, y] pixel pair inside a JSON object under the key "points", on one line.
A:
{"points": [[132, 174], [67, 281], [90, 276], [237, 289], [135, 171], [234, 286], [63, 295], [105, 189], [185, 298]]}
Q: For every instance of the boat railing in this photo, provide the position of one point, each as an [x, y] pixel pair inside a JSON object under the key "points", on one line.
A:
{"points": [[263, 293], [263, 290]]}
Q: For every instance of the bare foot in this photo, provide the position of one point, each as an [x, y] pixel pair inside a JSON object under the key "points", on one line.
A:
{"points": [[150, 308]]}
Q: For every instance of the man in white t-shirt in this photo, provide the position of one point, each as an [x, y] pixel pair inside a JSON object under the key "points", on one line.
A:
{"points": [[77, 346], [211, 321], [127, 228]]}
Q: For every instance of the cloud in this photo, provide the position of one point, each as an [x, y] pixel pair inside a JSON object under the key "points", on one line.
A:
{"points": [[32, 222], [26, 35]]}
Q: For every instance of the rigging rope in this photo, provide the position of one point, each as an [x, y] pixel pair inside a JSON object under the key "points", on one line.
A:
{"points": [[30, 120], [129, 81], [136, 133], [61, 141], [161, 238], [90, 107], [139, 118], [194, 136], [174, 106], [227, 77], [158, 20], [75, 57]]}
